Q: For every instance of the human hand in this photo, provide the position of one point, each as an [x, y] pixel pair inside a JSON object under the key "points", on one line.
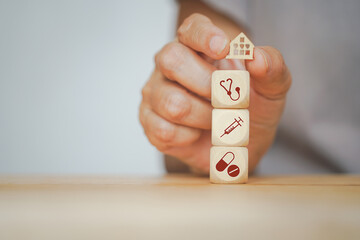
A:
{"points": [[175, 111]]}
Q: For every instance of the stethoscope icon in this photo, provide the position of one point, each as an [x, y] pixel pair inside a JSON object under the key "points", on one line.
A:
{"points": [[228, 91], [233, 170]]}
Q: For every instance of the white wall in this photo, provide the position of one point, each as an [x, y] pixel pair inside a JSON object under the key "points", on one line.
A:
{"points": [[71, 73]]}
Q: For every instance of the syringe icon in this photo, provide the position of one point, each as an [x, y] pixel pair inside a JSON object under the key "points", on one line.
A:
{"points": [[232, 126]]}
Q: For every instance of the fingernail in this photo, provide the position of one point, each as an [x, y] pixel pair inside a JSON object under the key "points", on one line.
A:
{"points": [[266, 58], [217, 44]]}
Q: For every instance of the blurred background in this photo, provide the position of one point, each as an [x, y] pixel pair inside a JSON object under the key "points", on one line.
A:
{"points": [[70, 85], [71, 74]]}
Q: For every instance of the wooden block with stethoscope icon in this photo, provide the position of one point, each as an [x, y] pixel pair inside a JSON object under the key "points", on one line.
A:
{"points": [[230, 96], [230, 89]]}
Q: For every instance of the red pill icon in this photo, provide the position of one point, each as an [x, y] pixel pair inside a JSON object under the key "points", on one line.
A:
{"points": [[225, 161], [233, 170]]}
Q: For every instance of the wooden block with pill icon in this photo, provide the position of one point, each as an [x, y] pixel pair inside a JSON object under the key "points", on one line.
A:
{"points": [[228, 164], [230, 89], [230, 127]]}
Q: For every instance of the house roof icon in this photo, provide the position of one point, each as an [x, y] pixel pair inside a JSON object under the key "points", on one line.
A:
{"points": [[241, 48]]}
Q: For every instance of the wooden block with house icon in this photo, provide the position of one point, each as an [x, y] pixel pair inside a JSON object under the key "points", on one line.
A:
{"points": [[241, 48]]}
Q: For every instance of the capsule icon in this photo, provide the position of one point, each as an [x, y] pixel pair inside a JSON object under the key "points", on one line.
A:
{"points": [[225, 161]]}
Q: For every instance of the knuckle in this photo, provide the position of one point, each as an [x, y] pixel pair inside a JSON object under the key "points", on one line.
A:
{"points": [[165, 132], [156, 144], [193, 137], [142, 116], [170, 58], [145, 91], [154, 140], [141, 119], [177, 106], [183, 29], [162, 148]]}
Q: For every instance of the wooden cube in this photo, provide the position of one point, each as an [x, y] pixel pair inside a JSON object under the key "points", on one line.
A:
{"points": [[230, 127], [228, 164], [230, 89]]}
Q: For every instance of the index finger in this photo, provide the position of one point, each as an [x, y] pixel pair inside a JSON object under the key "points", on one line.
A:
{"points": [[200, 34]]}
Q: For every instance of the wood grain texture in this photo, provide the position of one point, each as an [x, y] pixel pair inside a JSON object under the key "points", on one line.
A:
{"points": [[180, 207]]}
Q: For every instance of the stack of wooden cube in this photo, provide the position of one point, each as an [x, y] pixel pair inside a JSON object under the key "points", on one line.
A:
{"points": [[230, 96]]}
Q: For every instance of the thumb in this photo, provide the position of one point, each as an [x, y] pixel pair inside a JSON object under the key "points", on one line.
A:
{"points": [[270, 76]]}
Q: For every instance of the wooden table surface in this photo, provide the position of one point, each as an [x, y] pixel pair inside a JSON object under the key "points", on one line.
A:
{"points": [[180, 207]]}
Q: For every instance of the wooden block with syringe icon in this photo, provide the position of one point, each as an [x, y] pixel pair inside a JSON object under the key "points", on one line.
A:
{"points": [[230, 127]]}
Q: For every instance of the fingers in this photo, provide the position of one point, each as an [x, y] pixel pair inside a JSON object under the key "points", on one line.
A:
{"points": [[270, 76], [163, 134], [172, 102], [179, 63], [200, 34]]}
